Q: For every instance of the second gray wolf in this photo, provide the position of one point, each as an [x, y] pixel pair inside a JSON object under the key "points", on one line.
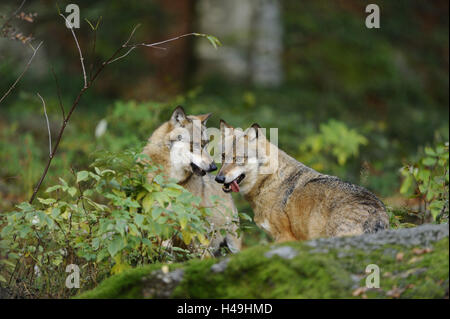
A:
{"points": [[172, 146]]}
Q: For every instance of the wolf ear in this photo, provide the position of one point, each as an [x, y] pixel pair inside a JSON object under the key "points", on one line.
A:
{"points": [[253, 132], [178, 116], [204, 117], [224, 125]]}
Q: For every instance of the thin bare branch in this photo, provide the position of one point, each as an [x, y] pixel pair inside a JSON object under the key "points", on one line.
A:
{"points": [[48, 127], [79, 49], [156, 44], [128, 52], [23, 72], [58, 89], [131, 35]]}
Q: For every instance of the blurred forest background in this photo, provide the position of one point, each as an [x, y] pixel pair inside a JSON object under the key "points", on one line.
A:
{"points": [[350, 101]]}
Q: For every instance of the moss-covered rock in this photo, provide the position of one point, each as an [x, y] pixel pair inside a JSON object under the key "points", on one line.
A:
{"points": [[413, 263]]}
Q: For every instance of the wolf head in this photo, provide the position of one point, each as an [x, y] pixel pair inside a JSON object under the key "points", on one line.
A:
{"points": [[187, 141], [244, 153], [179, 146]]}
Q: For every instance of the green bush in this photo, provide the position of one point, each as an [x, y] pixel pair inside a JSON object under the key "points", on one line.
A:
{"points": [[334, 140], [109, 219], [428, 180]]}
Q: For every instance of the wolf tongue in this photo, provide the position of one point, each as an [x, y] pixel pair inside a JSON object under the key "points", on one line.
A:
{"points": [[234, 186]]}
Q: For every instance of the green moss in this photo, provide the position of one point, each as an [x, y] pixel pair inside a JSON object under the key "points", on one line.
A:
{"points": [[330, 273], [127, 284]]}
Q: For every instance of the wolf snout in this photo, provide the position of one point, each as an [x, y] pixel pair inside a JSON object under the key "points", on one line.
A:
{"points": [[212, 167], [220, 179]]}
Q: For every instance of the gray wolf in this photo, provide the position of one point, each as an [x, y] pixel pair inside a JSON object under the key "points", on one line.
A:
{"points": [[185, 159], [293, 201]]}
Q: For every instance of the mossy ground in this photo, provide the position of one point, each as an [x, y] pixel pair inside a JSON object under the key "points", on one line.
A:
{"points": [[405, 272]]}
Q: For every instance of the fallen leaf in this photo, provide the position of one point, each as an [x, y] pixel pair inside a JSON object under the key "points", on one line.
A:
{"points": [[399, 256], [359, 291], [395, 292], [414, 260], [421, 251]]}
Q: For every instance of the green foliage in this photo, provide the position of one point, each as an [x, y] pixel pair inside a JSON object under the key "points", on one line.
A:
{"points": [[334, 139], [428, 179], [19, 159], [107, 220], [129, 123]]}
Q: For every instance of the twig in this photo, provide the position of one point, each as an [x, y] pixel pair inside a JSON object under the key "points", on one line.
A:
{"points": [[151, 45], [58, 89], [13, 14], [94, 42], [23, 72], [48, 127], [128, 52], [165, 41], [79, 49]]}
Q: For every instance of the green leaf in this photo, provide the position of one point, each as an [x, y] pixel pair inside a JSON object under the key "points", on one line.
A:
{"points": [[72, 191], [212, 39], [25, 206], [429, 151], [53, 188], [63, 182], [429, 161], [115, 245], [95, 243], [183, 222], [46, 201], [159, 179], [187, 237], [139, 219], [156, 212], [147, 202], [56, 212], [407, 185], [82, 176]]}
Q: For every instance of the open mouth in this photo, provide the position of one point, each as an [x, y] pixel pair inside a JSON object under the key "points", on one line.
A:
{"points": [[234, 185], [197, 170]]}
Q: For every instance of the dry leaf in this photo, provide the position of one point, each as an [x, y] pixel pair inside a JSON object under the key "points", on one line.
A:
{"points": [[395, 292], [414, 260], [420, 251], [359, 291]]}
